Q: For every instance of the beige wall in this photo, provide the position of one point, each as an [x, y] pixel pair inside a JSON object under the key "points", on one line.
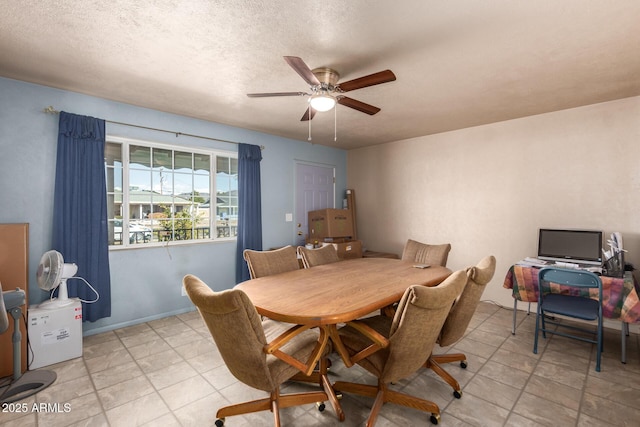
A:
{"points": [[488, 189]]}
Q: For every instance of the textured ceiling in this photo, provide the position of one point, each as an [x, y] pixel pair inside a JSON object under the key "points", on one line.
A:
{"points": [[458, 63]]}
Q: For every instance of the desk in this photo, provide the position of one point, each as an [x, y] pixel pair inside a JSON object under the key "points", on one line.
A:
{"points": [[620, 299], [340, 292]]}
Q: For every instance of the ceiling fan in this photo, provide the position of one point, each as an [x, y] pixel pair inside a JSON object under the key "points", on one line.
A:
{"points": [[326, 91]]}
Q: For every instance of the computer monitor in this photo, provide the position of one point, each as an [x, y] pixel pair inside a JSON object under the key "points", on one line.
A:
{"points": [[577, 246]]}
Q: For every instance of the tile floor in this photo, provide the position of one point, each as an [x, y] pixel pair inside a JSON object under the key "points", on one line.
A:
{"points": [[168, 373]]}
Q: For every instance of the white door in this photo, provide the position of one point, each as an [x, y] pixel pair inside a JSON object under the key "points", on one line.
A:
{"points": [[315, 189]]}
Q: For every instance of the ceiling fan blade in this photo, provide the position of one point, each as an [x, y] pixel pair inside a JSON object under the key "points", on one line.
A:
{"points": [[301, 68], [366, 81], [264, 95], [358, 105], [308, 114]]}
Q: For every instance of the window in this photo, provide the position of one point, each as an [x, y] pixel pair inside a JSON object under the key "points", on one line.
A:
{"points": [[158, 193]]}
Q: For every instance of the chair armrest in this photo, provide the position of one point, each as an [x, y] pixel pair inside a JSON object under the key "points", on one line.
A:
{"points": [[379, 341], [305, 367]]}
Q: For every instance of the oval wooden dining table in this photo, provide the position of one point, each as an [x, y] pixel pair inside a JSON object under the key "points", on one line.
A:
{"points": [[340, 292]]}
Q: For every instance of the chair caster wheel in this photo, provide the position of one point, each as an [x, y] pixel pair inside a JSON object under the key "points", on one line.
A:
{"points": [[320, 406], [457, 394], [435, 419], [219, 422], [463, 364]]}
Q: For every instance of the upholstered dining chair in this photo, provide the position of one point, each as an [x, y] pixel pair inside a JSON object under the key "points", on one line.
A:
{"points": [[458, 320], [426, 254], [266, 263], [421, 253], [261, 354], [312, 257], [393, 349]]}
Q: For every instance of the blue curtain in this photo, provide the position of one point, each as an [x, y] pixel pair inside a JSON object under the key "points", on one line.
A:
{"points": [[249, 206], [80, 210]]}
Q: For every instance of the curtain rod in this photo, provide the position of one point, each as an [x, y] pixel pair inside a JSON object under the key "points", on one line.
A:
{"points": [[51, 110]]}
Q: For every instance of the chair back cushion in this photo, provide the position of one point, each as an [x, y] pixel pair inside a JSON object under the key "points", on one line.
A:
{"points": [[416, 325], [236, 329], [463, 309], [266, 263], [312, 257], [426, 254]]}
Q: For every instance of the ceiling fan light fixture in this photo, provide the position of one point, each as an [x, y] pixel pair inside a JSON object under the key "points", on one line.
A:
{"points": [[322, 102]]}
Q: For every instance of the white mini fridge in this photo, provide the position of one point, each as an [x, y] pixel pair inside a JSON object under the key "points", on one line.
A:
{"points": [[55, 334]]}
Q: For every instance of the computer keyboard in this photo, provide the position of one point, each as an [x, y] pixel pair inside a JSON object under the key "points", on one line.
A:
{"points": [[567, 265]]}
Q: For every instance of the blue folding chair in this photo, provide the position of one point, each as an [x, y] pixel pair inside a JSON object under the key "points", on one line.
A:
{"points": [[576, 304]]}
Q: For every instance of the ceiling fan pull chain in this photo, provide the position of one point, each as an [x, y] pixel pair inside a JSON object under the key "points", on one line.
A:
{"points": [[309, 114], [335, 123]]}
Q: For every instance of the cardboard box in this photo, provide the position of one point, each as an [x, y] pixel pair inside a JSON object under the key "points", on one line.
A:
{"points": [[348, 250], [319, 242], [330, 223]]}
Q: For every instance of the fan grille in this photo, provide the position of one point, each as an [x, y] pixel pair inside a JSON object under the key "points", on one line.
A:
{"points": [[49, 270]]}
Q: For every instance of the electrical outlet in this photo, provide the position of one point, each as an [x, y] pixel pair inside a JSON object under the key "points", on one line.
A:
{"points": [[183, 291]]}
